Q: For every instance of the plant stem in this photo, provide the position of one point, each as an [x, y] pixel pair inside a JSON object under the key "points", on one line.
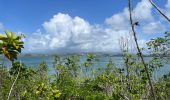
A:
{"points": [[14, 83], [158, 9], [139, 51]]}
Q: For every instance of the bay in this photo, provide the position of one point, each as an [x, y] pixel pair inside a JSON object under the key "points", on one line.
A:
{"points": [[34, 61]]}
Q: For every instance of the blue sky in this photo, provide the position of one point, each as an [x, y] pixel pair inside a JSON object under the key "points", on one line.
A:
{"points": [[28, 16]]}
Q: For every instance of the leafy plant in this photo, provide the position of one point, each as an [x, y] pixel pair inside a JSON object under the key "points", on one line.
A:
{"points": [[11, 45]]}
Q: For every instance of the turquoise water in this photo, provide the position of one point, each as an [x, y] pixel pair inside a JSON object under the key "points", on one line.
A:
{"points": [[101, 63]]}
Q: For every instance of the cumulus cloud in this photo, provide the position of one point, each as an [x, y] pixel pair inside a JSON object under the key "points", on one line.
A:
{"points": [[154, 27], [73, 34], [119, 21], [64, 28], [64, 33], [143, 11]]}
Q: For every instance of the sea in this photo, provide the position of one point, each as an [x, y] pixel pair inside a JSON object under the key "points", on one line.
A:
{"points": [[34, 61]]}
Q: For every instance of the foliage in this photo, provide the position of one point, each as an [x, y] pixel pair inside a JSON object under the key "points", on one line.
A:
{"points": [[84, 79], [10, 45]]}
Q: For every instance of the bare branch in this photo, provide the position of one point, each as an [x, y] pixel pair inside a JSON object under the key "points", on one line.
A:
{"points": [[159, 10], [138, 48]]}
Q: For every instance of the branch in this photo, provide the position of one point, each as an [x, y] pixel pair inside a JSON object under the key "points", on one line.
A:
{"points": [[14, 83], [138, 48], [158, 9]]}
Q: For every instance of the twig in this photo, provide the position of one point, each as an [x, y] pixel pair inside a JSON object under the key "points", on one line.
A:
{"points": [[124, 97], [123, 42], [14, 83], [139, 51], [158, 9]]}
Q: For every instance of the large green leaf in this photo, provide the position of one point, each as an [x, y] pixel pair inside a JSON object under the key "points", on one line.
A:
{"points": [[11, 45]]}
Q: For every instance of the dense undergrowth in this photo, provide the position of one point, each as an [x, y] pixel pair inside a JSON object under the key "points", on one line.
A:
{"points": [[70, 82], [78, 80]]}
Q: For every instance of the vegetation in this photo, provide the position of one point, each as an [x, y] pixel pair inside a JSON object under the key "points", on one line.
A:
{"points": [[75, 79]]}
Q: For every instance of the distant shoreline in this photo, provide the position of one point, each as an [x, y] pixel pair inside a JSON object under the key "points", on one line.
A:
{"points": [[80, 54]]}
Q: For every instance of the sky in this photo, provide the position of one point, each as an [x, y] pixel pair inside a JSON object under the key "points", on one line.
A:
{"points": [[62, 26]]}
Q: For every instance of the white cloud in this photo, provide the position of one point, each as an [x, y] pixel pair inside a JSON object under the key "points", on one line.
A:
{"points": [[62, 28], [64, 33], [119, 21], [143, 11], [154, 27]]}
